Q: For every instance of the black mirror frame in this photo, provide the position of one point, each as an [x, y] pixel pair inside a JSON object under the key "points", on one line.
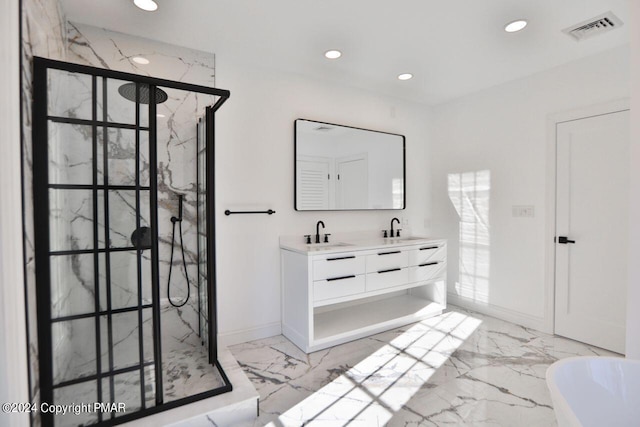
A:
{"points": [[295, 181]]}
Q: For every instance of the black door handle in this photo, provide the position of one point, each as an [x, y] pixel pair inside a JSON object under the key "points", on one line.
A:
{"points": [[564, 240]]}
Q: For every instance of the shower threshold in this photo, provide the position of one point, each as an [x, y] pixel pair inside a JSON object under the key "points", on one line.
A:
{"points": [[238, 407]]}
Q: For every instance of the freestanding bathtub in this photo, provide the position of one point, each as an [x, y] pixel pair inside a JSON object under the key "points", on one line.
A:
{"points": [[595, 391]]}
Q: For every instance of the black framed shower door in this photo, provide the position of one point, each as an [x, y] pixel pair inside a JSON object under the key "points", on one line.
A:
{"points": [[95, 277]]}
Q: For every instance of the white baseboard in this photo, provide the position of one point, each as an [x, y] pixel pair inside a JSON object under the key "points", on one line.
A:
{"points": [[250, 334], [522, 319], [296, 338]]}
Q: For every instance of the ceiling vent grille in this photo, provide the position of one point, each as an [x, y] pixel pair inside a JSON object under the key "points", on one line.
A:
{"points": [[594, 26]]}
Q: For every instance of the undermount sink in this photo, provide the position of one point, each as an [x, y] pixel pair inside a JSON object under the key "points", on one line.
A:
{"points": [[323, 246], [406, 239]]}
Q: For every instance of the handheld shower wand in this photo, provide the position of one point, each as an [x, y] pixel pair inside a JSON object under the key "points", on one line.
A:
{"points": [[178, 220]]}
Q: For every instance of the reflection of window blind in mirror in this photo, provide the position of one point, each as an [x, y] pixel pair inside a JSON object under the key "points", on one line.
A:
{"points": [[313, 183]]}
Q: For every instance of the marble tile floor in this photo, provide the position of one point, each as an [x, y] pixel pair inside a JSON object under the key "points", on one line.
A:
{"points": [[457, 369]]}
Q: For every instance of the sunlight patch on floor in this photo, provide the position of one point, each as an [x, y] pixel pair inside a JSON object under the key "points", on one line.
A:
{"points": [[376, 388]]}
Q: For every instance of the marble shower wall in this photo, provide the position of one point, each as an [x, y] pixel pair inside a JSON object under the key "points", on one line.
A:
{"points": [[47, 34], [177, 148], [43, 34]]}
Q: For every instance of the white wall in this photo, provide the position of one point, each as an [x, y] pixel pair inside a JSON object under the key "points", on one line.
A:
{"points": [[255, 170], [13, 350], [633, 311], [504, 130]]}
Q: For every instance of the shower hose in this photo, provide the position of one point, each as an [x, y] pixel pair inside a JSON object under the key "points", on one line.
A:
{"points": [[175, 220]]}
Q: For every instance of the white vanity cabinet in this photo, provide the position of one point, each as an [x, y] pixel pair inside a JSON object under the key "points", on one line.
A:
{"points": [[339, 293]]}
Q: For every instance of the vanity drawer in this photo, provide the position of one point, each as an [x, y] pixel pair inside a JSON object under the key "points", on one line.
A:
{"points": [[427, 253], [338, 266], [387, 259], [337, 287], [427, 271], [387, 279]]}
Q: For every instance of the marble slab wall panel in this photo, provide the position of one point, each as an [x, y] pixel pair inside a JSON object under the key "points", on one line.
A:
{"points": [[176, 142], [177, 175], [112, 50], [47, 34], [43, 34]]}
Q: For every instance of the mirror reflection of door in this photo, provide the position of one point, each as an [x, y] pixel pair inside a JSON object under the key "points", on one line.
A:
{"points": [[313, 177], [352, 185]]}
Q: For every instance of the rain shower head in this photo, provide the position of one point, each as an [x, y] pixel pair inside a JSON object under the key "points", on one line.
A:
{"points": [[128, 91]]}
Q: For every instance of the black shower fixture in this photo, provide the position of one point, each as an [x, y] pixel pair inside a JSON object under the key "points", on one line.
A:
{"points": [[141, 238], [128, 91], [178, 220]]}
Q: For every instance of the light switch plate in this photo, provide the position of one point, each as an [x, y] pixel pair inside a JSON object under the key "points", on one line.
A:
{"points": [[523, 211]]}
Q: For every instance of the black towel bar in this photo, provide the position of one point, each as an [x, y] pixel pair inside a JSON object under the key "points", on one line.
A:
{"points": [[269, 212]]}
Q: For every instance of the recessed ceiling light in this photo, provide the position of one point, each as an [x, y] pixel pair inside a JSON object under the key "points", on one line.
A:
{"points": [[140, 60], [148, 5], [515, 26], [405, 76], [333, 54]]}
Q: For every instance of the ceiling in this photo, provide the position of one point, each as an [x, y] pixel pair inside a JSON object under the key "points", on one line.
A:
{"points": [[453, 47]]}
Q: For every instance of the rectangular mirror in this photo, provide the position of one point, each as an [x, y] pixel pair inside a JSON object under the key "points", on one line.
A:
{"points": [[345, 168]]}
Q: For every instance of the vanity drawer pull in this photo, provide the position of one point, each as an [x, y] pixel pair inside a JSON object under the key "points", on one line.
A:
{"points": [[331, 279], [342, 257], [389, 253], [428, 248], [428, 263], [389, 271]]}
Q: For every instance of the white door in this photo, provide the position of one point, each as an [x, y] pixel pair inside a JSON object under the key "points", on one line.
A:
{"points": [[592, 192], [353, 182]]}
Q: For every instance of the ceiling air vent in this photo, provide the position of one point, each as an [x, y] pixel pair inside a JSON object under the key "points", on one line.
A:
{"points": [[594, 26]]}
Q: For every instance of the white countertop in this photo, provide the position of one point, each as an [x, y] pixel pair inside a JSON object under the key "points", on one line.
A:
{"points": [[347, 245]]}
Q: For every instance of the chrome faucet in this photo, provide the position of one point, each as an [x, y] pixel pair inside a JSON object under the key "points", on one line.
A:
{"points": [[391, 231], [318, 231]]}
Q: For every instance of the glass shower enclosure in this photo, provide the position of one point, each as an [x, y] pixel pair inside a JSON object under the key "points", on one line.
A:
{"points": [[123, 185]]}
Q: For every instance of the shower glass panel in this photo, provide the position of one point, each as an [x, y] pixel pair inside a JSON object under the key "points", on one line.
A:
{"points": [[183, 245], [201, 171], [99, 193], [121, 198]]}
